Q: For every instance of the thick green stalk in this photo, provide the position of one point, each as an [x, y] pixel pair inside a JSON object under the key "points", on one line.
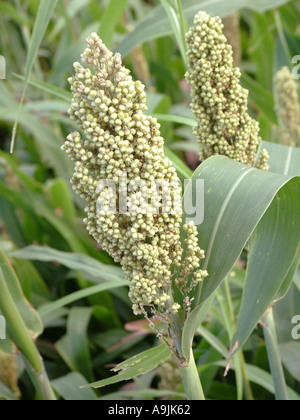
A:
{"points": [[191, 381], [274, 357], [23, 340]]}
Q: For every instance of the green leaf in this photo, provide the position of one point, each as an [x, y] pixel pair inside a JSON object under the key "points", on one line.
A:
{"points": [[82, 262], [68, 387], [27, 312], [285, 287], [157, 23], [74, 346], [263, 379], [213, 341], [48, 88], [74, 297], [290, 353], [283, 159], [46, 9], [138, 365], [110, 18], [62, 199], [236, 198], [274, 246]]}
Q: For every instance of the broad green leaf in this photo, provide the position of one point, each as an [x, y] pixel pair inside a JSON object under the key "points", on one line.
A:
{"points": [[27, 312], [289, 278], [284, 312], [74, 261], [46, 9], [110, 18], [48, 88], [68, 387], [236, 198], [263, 379], [74, 346], [274, 246], [290, 353], [261, 97], [136, 366], [297, 279], [74, 297], [283, 55], [213, 341], [157, 23], [283, 159]]}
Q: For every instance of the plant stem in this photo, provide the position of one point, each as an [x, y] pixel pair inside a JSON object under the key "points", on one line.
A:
{"points": [[274, 356], [23, 339], [191, 380]]}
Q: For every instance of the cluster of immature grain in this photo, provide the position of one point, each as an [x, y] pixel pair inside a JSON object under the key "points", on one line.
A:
{"points": [[288, 107], [119, 138], [219, 102]]}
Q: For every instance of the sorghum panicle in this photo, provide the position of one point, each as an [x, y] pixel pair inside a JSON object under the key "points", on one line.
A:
{"points": [[219, 102], [119, 138], [288, 107]]}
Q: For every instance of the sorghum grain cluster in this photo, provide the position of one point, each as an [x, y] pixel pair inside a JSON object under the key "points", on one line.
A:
{"points": [[219, 102], [120, 139], [288, 107]]}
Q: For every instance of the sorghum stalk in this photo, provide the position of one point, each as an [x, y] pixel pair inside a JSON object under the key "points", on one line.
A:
{"points": [[123, 145], [219, 102], [191, 380], [24, 342]]}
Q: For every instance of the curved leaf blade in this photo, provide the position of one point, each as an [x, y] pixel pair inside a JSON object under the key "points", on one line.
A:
{"points": [[274, 247], [157, 23], [236, 199], [138, 365]]}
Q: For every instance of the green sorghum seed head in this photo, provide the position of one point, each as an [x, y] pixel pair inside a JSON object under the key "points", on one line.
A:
{"points": [[287, 107], [219, 102], [120, 138]]}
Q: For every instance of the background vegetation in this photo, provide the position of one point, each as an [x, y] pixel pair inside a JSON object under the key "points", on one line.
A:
{"points": [[84, 322]]}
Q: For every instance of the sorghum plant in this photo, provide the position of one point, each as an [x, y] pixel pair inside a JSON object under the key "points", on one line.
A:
{"points": [[201, 299], [122, 148]]}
